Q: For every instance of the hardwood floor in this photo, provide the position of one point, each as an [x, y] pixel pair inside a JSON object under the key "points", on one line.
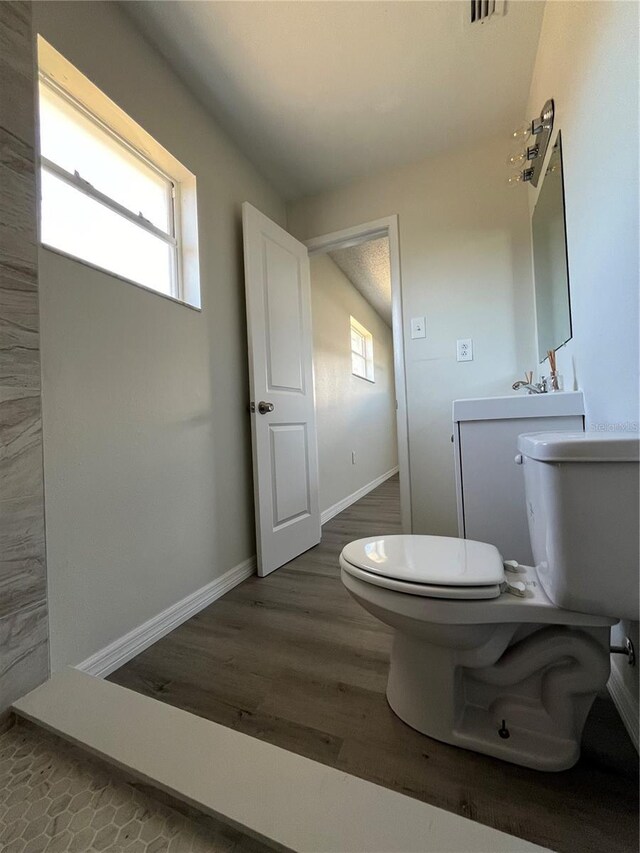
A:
{"points": [[291, 659]]}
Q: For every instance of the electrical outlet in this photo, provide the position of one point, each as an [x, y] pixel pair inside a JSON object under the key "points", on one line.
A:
{"points": [[464, 349], [353, 457]]}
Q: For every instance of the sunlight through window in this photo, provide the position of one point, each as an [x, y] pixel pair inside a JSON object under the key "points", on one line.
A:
{"points": [[361, 351], [102, 201]]}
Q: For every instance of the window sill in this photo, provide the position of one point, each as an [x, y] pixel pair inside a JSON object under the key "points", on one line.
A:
{"points": [[137, 284], [364, 378]]}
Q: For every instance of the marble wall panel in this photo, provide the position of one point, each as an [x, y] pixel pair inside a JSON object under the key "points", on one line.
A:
{"points": [[17, 205], [24, 660], [24, 652], [16, 70]]}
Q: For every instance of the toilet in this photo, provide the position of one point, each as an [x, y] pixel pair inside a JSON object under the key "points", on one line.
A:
{"points": [[506, 659]]}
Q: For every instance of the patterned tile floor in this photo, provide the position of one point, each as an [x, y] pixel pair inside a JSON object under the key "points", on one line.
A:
{"points": [[54, 797]]}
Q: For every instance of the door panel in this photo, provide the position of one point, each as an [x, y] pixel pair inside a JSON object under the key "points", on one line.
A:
{"points": [[283, 432], [290, 464], [283, 298]]}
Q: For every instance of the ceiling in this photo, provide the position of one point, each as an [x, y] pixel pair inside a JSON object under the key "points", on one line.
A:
{"points": [[319, 93], [366, 265]]}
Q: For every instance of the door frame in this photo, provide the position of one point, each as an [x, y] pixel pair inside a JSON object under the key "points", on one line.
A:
{"points": [[385, 227]]}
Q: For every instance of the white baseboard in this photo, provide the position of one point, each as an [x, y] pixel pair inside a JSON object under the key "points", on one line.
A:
{"points": [[351, 499], [625, 701], [107, 660]]}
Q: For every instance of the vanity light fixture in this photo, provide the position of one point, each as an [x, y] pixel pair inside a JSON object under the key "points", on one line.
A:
{"points": [[521, 157], [540, 128], [521, 177]]}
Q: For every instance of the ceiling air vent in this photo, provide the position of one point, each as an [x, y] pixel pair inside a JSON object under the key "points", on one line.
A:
{"points": [[481, 11]]}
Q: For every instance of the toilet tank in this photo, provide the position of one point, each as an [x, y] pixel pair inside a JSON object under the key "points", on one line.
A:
{"points": [[583, 510]]}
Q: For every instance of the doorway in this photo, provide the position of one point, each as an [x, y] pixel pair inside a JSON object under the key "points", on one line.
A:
{"points": [[282, 399], [361, 409]]}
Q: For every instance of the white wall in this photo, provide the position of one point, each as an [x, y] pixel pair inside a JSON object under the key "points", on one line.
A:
{"points": [[146, 435], [466, 264], [352, 414], [588, 62]]}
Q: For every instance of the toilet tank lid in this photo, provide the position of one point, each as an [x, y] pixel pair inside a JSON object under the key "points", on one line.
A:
{"points": [[591, 446]]}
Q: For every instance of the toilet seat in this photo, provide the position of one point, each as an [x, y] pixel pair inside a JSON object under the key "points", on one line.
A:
{"points": [[466, 593], [473, 604], [427, 566]]}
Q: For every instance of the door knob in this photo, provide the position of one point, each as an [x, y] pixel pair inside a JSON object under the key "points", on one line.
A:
{"points": [[264, 408]]}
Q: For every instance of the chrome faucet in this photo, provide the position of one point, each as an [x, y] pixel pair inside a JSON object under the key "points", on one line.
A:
{"points": [[532, 387]]}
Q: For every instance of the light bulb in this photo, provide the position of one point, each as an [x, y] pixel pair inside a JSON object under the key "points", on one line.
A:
{"points": [[517, 158], [522, 177], [522, 133]]}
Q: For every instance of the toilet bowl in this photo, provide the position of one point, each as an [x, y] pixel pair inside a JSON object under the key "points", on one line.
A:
{"points": [[487, 655]]}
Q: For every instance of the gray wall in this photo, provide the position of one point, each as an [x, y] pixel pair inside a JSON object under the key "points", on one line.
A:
{"points": [[147, 442], [588, 62], [351, 413], [465, 251], [24, 656]]}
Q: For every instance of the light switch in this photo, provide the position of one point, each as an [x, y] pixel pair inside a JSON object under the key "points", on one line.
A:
{"points": [[418, 327]]}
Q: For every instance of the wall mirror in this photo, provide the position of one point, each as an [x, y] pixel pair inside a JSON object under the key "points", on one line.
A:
{"points": [[551, 272]]}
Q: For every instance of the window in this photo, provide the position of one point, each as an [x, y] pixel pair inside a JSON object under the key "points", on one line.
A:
{"points": [[361, 351], [105, 201]]}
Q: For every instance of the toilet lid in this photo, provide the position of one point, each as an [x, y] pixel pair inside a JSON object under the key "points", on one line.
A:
{"points": [[428, 560]]}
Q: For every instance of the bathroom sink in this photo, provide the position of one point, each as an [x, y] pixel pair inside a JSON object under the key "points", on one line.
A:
{"points": [[519, 405]]}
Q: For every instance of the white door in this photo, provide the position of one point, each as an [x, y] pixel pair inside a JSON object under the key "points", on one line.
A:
{"points": [[283, 423]]}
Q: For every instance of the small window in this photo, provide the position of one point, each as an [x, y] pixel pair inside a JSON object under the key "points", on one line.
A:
{"points": [[361, 351], [104, 201]]}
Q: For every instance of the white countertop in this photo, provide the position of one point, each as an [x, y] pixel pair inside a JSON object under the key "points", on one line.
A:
{"points": [[519, 404]]}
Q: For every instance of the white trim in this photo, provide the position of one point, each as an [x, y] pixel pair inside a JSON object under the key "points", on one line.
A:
{"points": [[385, 227], [457, 465], [624, 700], [329, 513], [107, 660], [348, 237], [118, 277]]}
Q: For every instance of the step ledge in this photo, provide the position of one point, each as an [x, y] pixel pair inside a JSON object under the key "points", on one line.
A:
{"points": [[284, 799]]}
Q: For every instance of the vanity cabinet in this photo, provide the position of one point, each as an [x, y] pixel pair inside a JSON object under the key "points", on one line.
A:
{"points": [[489, 483]]}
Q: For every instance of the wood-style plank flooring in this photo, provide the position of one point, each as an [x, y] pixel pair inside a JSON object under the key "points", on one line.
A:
{"points": [[293, 660]]}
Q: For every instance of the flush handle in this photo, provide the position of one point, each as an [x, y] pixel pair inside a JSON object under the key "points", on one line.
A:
{"points": [[518, 459]]}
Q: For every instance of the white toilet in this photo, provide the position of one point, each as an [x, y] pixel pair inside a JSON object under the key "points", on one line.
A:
{"points": [[507, 660]]}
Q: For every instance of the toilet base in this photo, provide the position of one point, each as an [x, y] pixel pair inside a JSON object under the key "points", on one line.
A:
{"points": [[522, 696]]}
